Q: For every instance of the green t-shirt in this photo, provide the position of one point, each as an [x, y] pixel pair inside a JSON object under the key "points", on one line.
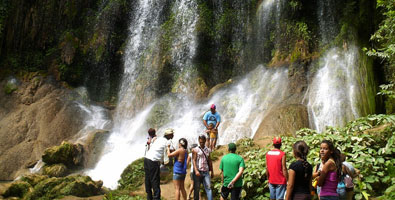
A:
{"points": [[230, 165]]}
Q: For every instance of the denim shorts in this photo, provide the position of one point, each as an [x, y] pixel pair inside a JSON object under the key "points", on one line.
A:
{"points": [[177, 176], [277, 191]]}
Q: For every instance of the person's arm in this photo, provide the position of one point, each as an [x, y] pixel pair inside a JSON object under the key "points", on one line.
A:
{"points": [[316, 171], [172, 154], [211, 165], [328, 166], [284, 166], [222, 177], [216, 126], [194, 159], [189, 160], [290, 185], [218, 122], [205, 123], [238, 175]]}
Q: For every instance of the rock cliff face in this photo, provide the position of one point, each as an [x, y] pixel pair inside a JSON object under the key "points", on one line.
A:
{"points": [[38, 115]]}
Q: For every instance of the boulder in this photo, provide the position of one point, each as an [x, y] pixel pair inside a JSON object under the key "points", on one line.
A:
{"points": [[76, 185], [56, 170], [67, 154], [17, 189], [33, 179], [93, 145], [216, 88], [38, 115], [283, 120]]}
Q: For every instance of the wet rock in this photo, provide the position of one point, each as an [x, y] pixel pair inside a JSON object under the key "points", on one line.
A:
{"points": [[33, 179], [76, 185], [28, 129], [283, 120], [17, 189], [93, 145], [57, 170], [67, 154]]}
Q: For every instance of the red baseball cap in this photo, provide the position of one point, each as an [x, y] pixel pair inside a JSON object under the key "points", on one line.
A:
{"points": [[213, 106], [277, 140]]}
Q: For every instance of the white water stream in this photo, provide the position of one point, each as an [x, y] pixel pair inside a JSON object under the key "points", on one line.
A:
{"points": [[338, 89]]}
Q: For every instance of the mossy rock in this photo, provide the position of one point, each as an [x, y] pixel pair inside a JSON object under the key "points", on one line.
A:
{"points": [[82, 188], [10, 87], [132, 176], [77, 185], [17, 189], [34, 179], [67, 154], [56, 170]]}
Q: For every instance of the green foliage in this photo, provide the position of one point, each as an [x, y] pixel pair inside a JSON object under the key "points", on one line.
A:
{"points": [[387, 90], [133, 176], [385, 37], [368, 143]]}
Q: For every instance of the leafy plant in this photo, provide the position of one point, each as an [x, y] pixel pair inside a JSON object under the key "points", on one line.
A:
{"points": [[133, 176], [368, 143]]}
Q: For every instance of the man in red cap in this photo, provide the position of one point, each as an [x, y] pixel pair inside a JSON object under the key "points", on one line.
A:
{"points": [[213, 119], [276, 170]]}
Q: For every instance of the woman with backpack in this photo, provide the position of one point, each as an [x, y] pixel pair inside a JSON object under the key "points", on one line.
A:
{"points": [[345, 187], [299, 174], [180, 167]]}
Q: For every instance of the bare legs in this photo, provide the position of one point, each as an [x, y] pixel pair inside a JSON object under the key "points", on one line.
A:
{"points": [[180, 189], [213, 142]]}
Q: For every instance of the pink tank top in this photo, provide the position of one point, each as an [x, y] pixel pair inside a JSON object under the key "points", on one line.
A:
{"points": [[330, 185]]}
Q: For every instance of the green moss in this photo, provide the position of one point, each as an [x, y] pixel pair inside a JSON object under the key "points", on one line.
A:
{"points": [[132, 176], [57, 170], [65, 154], [10, 87], [33, 179], [17, 189]]}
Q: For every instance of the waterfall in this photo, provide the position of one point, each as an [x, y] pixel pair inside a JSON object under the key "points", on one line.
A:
{"points": [[339, 91], [332, 97], [128, 136], [327, 20]]}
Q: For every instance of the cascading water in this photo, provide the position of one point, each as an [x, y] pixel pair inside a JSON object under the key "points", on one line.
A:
{"points": [[127, 139], [327, 20], [339, 92]]}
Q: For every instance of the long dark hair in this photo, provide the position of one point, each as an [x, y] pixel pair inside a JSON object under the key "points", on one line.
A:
{"points": [[184, 143], [301, 150], [335, 155]]}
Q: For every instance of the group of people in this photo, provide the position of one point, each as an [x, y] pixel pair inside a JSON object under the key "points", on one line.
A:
{"points": [[332, 178], [231, 166]]}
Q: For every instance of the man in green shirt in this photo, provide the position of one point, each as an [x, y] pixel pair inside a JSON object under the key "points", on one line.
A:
{"points": [[232, 167]]}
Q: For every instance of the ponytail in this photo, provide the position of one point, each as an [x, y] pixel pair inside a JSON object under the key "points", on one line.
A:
{"points": [[301, 150]]}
